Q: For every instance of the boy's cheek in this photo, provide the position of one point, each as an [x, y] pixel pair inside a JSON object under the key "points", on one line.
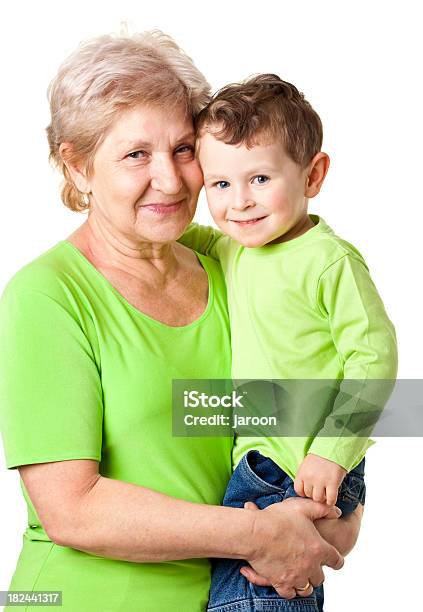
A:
{"points": [[217, 211], [220, 220]]}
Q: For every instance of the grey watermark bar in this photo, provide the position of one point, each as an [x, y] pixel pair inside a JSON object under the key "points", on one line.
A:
{"points": [[30, 598], [299, 408]]}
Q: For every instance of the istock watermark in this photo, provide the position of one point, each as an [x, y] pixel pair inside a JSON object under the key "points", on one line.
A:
{"points": [[304, 408], [194, 399]]}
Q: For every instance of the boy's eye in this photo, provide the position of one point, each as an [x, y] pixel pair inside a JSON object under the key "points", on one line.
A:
{"points": [[222, 184], [260, 179]]}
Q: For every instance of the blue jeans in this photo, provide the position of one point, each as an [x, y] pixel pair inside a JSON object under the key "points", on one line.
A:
{"points": [[260, 480]]}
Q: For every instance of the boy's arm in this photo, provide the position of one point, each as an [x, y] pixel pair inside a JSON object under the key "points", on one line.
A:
{"points": [[206, 240], [366, 344]]}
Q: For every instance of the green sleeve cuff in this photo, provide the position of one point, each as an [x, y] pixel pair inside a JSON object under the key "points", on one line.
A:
{"points": [[346, 452]]}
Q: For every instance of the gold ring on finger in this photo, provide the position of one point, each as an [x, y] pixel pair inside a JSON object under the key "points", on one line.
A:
{"points": [[307, 586]]}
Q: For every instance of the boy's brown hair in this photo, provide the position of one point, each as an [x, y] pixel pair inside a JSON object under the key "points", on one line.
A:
{"points": [[260, 110]]}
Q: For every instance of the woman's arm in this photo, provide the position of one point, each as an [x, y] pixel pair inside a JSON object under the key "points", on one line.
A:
{"points": [[342, 533], [81, 509]]}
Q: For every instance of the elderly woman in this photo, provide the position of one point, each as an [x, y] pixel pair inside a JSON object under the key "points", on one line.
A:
{"points": [[121, 515]]}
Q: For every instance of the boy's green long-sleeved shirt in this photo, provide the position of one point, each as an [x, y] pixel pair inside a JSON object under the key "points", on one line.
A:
{"points": [[304, 309]]}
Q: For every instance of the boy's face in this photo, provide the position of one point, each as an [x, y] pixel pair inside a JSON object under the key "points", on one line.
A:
{"points": [[256, 195]]}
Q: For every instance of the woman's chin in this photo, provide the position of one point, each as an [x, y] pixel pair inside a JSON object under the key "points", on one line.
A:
{"points": [[166, 230]]}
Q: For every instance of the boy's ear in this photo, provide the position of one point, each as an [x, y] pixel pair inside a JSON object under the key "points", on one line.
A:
{"points": [[76, 170], [317, 171]]}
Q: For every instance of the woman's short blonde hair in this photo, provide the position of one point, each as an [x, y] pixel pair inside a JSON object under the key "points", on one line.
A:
{"points": [[106, 75]]}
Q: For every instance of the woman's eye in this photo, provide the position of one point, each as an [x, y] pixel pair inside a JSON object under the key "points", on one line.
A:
{"points": [[185, 149], [222, 184], [137, 154], [260, 179]]}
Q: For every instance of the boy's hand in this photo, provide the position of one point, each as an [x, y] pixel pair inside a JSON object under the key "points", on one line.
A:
{"points": [[319, 479]]}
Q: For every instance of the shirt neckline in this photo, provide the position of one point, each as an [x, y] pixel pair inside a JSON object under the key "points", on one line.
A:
{"points": [[204, 264]]}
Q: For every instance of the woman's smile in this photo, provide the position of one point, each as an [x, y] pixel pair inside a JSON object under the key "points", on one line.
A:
{"points": [[162, 208]]}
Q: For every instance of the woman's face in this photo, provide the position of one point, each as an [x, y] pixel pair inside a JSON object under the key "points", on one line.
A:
{"points": [[145, 180]]}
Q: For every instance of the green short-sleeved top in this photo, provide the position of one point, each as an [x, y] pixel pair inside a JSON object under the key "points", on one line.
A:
{"points": [[85, 375]]}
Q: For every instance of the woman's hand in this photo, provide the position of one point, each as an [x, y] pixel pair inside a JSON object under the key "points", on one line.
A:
{"points": [[342, 533], [289, 551]]}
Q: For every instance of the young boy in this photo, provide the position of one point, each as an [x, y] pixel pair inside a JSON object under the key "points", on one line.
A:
{"points": [[301, 302]]}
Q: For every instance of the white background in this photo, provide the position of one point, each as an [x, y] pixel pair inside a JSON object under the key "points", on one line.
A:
{"points": [[359, 64]]}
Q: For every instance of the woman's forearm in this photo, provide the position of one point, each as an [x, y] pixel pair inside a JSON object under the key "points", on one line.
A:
{"points": [[341, 533], [129, 522]]}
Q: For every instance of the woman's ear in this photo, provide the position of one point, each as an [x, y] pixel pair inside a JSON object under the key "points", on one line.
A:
{"points": [[76, 170], [317, 171]]}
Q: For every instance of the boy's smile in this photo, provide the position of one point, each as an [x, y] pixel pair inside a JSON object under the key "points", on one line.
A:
{"points": [[257, 195]]}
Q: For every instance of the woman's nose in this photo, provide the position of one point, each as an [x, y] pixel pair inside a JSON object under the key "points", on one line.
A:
{"points": [[165, 175]]}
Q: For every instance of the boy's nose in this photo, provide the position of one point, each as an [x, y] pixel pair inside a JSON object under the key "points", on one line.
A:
{"points": [[242, 203]]}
